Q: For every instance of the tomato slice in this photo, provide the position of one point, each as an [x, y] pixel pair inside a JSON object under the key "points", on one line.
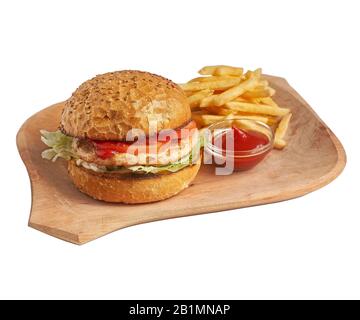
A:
{"points": [[106, 149]]}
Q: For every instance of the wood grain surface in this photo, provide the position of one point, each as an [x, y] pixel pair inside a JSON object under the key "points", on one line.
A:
{"points": [[312, 159]]}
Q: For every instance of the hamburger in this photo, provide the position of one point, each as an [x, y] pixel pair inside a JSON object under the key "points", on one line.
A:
{"points": [[128, 137]]}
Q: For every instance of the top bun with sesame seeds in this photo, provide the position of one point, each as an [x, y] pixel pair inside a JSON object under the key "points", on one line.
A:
{"points": [[107, 106]]}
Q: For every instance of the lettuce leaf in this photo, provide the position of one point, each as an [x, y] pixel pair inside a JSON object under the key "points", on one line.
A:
{"points": [[59, 143], [172, 167]]}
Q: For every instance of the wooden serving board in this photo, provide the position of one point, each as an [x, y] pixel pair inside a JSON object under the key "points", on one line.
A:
{"points": [[312, 159]]}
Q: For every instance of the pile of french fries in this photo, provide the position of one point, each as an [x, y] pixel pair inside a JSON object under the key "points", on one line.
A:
{"points": [[225, 92]]}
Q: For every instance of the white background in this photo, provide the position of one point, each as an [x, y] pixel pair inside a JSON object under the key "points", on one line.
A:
{"points": [[304, 248]]}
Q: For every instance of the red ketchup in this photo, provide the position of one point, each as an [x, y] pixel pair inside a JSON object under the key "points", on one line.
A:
{"points": [[246, 148]]}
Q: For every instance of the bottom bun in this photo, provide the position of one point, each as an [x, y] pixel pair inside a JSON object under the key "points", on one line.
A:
{"points": [[131, 188]]}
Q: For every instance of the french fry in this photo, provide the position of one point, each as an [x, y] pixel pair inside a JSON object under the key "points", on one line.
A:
{"points": [[211, 85], [209, 70], [200, 79], [217, 111], [279, 144], [253, 74], [220, 111], [221, 70], [281, 131], [228, 71], [242, 99], [234, 92], [251, 126], [270, 120], [208, 119], [254, 117], [263, 83], [211, 78], [256, 108], [259, 92], [215, 100], [195, 99], [269, 101], [208, 101], [266, 100], [197, 117]]}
